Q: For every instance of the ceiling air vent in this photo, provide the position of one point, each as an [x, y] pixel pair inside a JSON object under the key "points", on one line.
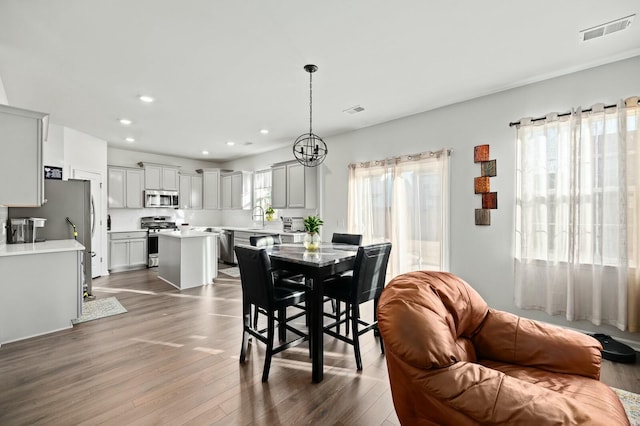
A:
{"points": [[354, 110], [606, 29]]}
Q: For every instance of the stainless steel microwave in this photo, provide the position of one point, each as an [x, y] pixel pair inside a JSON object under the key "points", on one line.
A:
{"points": [[165, 199]]}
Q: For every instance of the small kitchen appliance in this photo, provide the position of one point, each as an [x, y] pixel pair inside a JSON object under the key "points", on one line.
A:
{"points": [[17, 230], [292, 224]]}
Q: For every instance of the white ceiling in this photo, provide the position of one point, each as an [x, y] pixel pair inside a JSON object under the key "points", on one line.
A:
{"points": [[223, 70]]}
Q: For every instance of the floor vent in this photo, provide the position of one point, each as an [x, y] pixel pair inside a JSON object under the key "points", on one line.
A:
{"points": [[606, 29]]}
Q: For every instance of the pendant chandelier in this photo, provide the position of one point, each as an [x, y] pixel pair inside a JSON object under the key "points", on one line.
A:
{"points": [[309, 149]]}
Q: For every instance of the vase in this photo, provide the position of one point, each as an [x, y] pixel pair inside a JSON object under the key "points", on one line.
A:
{"points": [[311, 241], [269, 217]]}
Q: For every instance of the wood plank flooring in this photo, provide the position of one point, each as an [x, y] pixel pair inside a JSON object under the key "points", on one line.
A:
{"points": [[173, 359]]}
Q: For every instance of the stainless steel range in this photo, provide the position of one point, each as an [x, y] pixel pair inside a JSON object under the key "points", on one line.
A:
{"points": [[155, 225]]}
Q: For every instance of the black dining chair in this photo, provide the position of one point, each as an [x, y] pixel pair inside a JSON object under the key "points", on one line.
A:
{"points": [[258, 289], [366, 283], [353, 239], [281, 277], [339, 238]]}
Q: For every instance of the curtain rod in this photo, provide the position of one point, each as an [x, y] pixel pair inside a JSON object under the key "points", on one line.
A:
{"points": [[411, 157], [564, 114]]}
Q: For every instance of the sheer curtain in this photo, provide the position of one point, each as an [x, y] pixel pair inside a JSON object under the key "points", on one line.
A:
{"points": [[404, 200], [577, 215]]}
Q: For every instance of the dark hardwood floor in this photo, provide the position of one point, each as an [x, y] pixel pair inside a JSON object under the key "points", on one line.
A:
{"points": [[173, 359]]}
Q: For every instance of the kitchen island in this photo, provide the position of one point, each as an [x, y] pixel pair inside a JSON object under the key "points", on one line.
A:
{"points": [[41, 288], [188, 259]]}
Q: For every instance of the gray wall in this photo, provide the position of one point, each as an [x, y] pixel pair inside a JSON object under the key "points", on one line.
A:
{"points": [[482, 255]]}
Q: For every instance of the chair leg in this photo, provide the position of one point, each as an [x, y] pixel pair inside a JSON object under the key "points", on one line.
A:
{"points": [[255, 317], [333, 305], [347, 310], [246, 321], [376, 331], [356, 337], [282, 322], [337, 311], [269, 353]]}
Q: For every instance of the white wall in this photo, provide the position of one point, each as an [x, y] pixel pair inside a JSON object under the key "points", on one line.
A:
{"points": [[482, 255], [128, 219], [3, 94]]}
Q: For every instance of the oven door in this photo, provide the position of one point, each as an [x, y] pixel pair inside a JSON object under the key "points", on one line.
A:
{"points": [[152, 250]]}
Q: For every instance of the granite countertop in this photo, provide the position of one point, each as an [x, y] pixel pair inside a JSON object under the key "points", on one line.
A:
{"points": [[52, 246]]}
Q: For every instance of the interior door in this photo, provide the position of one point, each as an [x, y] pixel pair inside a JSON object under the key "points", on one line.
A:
{"points": [[96, 222]]}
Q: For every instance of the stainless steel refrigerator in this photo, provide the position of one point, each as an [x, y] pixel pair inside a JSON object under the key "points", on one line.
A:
{"points": [[65, 199]]}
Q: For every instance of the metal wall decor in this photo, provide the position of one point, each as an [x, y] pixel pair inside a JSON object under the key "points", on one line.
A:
{"points": [[482, 184], [309, 149]]}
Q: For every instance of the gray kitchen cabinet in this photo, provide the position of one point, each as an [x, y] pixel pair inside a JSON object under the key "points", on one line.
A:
{"points": [[124, 188], [127, 250], [210, 188], [160, 176], [190, 191], [293, 186], [236, 190], [21, 165]]}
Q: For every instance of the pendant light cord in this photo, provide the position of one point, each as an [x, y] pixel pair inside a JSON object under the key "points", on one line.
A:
{"points": [[310, 102]]}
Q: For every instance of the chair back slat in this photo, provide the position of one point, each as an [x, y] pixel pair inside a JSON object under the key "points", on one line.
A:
{"points": [[369, 271], [264, 240], [353, 239], [255, 276]]}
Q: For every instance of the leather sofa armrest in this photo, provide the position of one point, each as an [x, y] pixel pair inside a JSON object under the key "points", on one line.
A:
{"points": [[508, 338]]}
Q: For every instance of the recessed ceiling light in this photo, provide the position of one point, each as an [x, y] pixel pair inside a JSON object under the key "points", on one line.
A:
{"points": [[125, 121], [264, 131], [130, 140], [231, 143], [146, 98], [205, 152]]}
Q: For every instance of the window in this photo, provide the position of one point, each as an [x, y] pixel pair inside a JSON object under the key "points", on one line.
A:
{"points": [[262, 189], [403, 200], [576, 218]]}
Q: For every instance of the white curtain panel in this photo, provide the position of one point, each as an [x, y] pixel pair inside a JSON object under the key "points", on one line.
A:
{"points": [[576, 213], [404, 200]]}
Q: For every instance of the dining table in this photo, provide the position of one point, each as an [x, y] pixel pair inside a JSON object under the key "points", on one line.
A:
{"points": [[329, 259]]}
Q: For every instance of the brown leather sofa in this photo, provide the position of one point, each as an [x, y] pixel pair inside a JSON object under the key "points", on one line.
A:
{"points": [[454, 361]]}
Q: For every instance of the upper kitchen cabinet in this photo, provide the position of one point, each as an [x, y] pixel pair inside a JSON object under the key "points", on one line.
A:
{"points": [[160, 176], [236, 190], [125, 188], [190, 191], [210, 188], [293, 186], [21, 167]]}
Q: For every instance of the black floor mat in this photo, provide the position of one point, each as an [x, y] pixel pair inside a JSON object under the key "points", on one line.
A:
{"points": [[614, 350]]}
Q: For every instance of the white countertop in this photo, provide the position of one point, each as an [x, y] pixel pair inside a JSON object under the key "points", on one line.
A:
{"points": [[190, 234], [51, 246], [127, 230]]}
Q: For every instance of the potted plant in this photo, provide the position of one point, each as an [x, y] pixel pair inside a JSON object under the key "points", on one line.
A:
{"points": [[269, 212], [312, 226]]}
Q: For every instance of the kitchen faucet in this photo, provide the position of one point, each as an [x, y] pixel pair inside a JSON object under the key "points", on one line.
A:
{"points": [[261, 215]]}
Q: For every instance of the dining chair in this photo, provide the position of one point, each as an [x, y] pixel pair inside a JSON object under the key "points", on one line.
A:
{"points": [[353, 239], [339, 238], [366, 283], [281, 277], [258, 289]]}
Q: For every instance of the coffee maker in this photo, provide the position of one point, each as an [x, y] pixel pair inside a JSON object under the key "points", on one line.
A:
{"points": [[17, 230]]}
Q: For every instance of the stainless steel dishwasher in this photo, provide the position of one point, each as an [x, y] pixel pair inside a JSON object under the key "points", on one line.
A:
{"points": [[226, 246]]}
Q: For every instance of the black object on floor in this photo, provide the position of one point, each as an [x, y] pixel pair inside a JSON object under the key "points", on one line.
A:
{"points": [[615, 351]]}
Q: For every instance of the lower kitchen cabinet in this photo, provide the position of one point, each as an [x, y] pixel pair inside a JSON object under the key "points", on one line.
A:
{"points": [[127, 250]]}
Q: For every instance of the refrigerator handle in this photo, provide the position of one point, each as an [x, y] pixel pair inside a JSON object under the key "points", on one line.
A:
{"points": [[93, 217]]}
